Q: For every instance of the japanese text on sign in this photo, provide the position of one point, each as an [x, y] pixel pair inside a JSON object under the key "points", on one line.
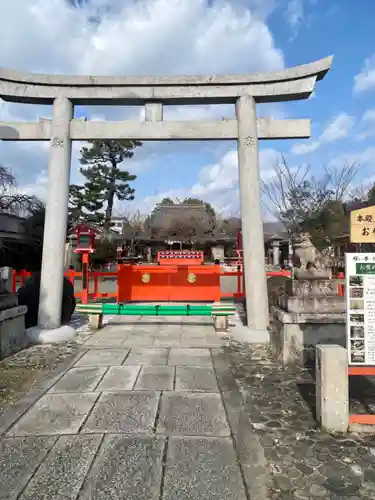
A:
{"points": [[360, 307], [362, 225]]}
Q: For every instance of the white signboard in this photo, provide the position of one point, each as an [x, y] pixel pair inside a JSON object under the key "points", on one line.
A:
{"points": [[360, 307]]}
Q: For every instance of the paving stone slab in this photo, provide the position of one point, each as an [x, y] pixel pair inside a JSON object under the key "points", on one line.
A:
{"points": [[61, 474], [203, 343], [196, 378], [115, 330], [192, 414], [204, 468], [55, 414], [144, 356], [119, 378], [103, 357], [128, 413], [19, 457], [167, 336], [125, 320], [79, 380], [138, 341], [156, 378], [105, 342], [126, 468], [167, 343], [190, 357]]}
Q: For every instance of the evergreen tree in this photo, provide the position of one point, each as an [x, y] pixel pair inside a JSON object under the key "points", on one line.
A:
{"points": [[196, 201], [94, 201]]}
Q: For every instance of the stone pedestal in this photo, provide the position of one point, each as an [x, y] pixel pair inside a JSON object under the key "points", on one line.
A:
{"points": [[6, 278], [8, 300], [309, 313], [221, 323], [293, 336], [95, 321], [311, 297], [12, 330], [332, 391], [64, 333]]}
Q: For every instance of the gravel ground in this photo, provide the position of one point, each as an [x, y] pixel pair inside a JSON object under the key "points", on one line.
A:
{"points": [[21, 372], [302, 461]]}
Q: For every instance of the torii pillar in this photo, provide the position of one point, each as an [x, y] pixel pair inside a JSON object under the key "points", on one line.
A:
{"points": [[251, 215], [243, 91]]}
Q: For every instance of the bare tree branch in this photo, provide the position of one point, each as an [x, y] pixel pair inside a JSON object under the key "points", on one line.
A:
{"points": [[13, 202], [296, 194]]}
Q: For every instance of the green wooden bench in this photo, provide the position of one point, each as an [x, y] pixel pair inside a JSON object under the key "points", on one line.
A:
{"points": [[219, 311]]}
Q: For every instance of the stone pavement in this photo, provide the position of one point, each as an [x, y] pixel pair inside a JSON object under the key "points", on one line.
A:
{"points": [[147, 410], [302, 461]]}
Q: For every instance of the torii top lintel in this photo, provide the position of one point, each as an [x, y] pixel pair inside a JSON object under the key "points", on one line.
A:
{"points": [[290, 84]]}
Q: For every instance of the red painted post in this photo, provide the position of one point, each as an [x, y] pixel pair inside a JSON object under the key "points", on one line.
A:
{"points": [[96, 285], [340, 286], [85, 278], [239, 280], [14, 281]]}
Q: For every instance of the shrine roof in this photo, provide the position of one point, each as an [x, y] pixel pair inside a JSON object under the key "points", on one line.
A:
{"points": [[164, 214]]}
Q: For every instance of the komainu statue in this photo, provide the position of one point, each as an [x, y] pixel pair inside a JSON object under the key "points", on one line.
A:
{"points": [[307, 258]]}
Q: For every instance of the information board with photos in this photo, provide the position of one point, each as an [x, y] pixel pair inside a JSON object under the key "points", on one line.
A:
{"points": [[360, 307]]}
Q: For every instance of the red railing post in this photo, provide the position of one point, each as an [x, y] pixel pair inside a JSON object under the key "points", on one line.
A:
{"points": [[14, 281], [85, 278], [96, 285], [340, 286], [239, 280]]}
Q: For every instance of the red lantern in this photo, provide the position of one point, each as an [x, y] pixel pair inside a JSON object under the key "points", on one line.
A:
{"points": [[85, 246], [85, 238]]}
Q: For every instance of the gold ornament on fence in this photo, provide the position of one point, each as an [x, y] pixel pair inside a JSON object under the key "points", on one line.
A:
{"points": [[146, 278], [191, 278]]}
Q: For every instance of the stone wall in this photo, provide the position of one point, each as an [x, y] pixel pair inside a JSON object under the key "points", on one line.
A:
{"points": [[12, 330]]}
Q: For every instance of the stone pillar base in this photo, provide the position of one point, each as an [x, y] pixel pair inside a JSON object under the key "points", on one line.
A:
{"points": [[12, 330], [332, 388], [221, 323], [294, 336], [64, 333], [96, 321]]}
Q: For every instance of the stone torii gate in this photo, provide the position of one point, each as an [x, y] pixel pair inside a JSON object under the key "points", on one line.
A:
{"points": [[243, 91]]}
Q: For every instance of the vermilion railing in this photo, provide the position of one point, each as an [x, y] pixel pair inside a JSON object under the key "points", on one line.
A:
{"points": [[95, 277], [240, 292], [19, 278]]}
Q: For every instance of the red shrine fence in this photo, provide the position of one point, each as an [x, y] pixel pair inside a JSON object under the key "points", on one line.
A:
{"points": [[104, 285]]}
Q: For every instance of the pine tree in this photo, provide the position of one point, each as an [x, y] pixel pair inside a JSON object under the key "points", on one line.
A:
{"points": [[94, 201]]}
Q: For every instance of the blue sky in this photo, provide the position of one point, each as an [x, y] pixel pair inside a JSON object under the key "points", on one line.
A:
{"points": [[200, 36]]}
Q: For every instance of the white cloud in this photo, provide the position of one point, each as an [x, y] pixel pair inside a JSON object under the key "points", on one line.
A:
{"points": [[38, 187], [298, 13], [363, 158], [365, 80], [217, 178], [217, 183], [302, 149], [369, 115], [338, 128], [294, 13], [367, 126], [267, 160], [149, 37], [134, 38]]}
